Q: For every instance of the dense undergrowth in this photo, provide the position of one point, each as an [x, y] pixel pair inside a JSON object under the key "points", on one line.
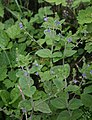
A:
{"points": [[45, 59]]}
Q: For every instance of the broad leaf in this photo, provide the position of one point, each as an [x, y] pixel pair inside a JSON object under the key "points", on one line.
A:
{"points": [[88, 89], [59, 83], [44, 53], [42, 107], [58, 103], [26, 85], [64, 115], [5, 96], [57, 2], [13, 31], [8, 83], [61, 71], [1, 10], [4, 39], [85, 16], [25, 104], [75, 103], [69, 53], [76, 114], [87, 100], [3, 72], [14, 95]]}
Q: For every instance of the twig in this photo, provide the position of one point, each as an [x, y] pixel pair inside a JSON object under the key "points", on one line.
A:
{"points": [[23, 97]]}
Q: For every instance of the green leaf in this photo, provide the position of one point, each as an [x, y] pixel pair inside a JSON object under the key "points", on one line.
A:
{"points": [[72, 88], [4, 39], [12, 75], [60, 102], [45, 76], [75, 103], [41, 106], [22, 60], [5, 96], [44, 53], [86, 100], [25, 81], [25, 104], [45, 10], [26, 85], [36, 117], [1, 26], [13, 31], [57, 54], [76, 3], [88, 89], [69, 53], [8, 83], [85, 16], [88, 47], [41, 41], [30, 91], [4, 60], [1, 10], [3, 72], [14, 95], [76, 114], [61, 71], [57, 2], [59, 83], [64, 115]]}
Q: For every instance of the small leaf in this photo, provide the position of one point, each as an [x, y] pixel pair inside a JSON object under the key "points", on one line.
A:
{"points": [[4, 39], [88, 89], [59, 83], [12, 75], [72, 88], [36, 117], [26, 85], [64, 115], [88, 47], [85, 16], [13, 31], [1, 26], [61, 71], [57, 2], [44, 53], [5, 96], [76, 114], [69, 53], [45, 76], [1, 10], [14, 95], [25, 104], [75, 103], [3, 72], [57, 54], [8, 83], [86, 100], [29, 91], [58, 103], [42, 107]]}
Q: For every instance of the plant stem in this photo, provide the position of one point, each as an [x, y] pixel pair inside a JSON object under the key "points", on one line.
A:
{"points": [[23, 97]]}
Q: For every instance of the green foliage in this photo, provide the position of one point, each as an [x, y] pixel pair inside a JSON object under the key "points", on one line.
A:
{"points": [[44, 53], [63, 2], [41, 106], [1, 10], [45, 59], [85, 16]]}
